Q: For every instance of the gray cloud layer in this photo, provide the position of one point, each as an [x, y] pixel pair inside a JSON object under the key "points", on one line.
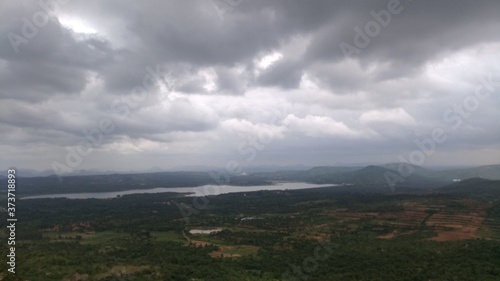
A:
{"points": [[205, 82]]}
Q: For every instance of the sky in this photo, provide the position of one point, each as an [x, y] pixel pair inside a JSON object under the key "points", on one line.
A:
{"points": [[138, 85]]}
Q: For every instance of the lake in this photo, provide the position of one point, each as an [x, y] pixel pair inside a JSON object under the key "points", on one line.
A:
{"points": [[205, 231], [203, 190]]}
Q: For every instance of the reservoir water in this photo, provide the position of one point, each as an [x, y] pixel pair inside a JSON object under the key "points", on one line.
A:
{"points": [[203, 190]]}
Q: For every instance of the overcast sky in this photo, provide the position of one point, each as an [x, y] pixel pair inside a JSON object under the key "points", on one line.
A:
{"points": [[132, 85]]}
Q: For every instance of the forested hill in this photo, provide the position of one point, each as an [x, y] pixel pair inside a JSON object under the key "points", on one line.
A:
{"points": [[475, 187]]}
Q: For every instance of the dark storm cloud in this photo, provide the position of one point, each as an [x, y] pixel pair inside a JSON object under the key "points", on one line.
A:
{"points": [[418, 33], [171, 34], [51, 62], [189, 32]]}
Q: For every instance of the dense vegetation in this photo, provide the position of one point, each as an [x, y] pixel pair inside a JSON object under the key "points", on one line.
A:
{"points": [[315, 234]]}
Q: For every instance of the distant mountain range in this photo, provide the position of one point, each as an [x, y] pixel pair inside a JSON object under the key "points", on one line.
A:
{"points": [[368, 177]]}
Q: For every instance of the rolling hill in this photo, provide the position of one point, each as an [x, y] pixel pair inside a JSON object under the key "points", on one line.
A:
{"points": [[474, 187]]}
